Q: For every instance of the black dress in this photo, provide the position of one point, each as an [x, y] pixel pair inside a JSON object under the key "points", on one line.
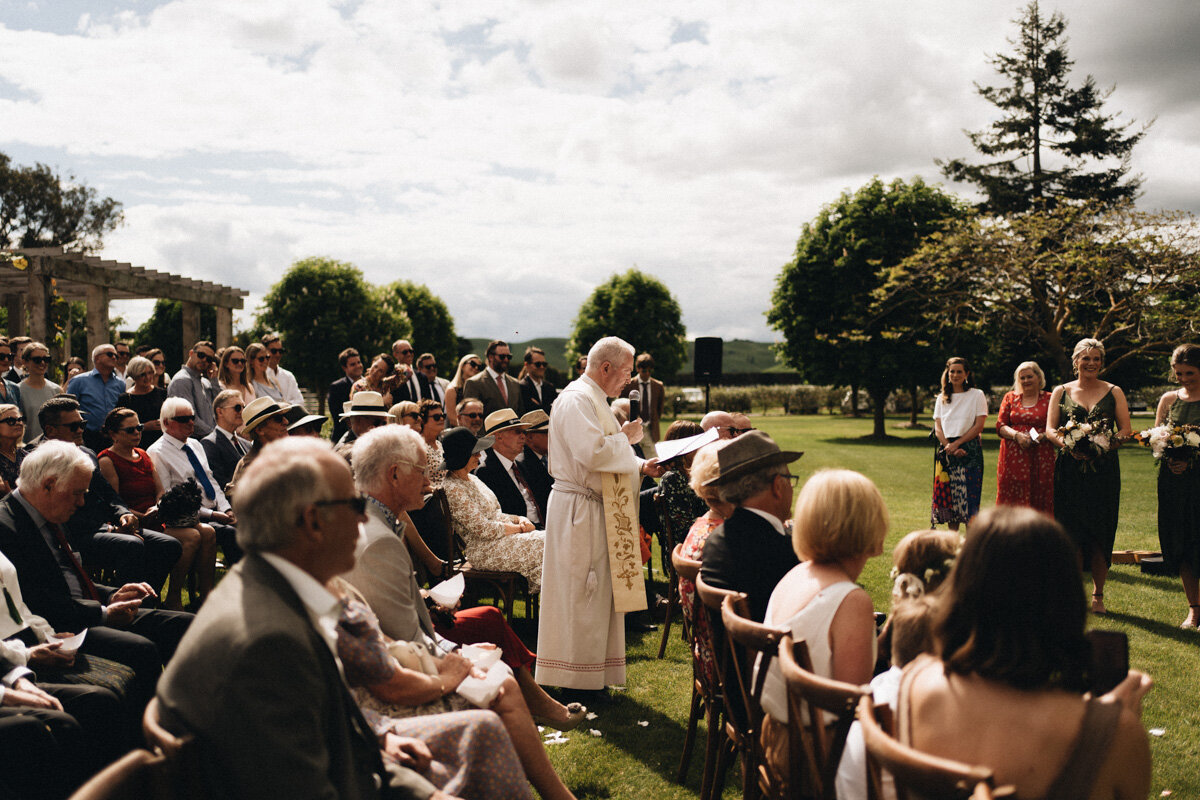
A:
{"points": [[1087, 494], [1179, 501], [147, 407]]}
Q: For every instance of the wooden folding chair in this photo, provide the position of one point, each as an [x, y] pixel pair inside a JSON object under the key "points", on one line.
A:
{"points": [[717, 741], [137, 775], [815, 742], [921, 774], [664, 519], [702, 689], [184, 769]]}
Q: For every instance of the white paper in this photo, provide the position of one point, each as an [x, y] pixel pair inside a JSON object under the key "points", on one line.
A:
{"points": [[668, 450], [73, 643], [481, 657], [482, 692], [449, 592]]}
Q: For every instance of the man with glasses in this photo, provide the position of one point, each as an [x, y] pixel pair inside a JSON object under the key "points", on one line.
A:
{"points": [[192, 384], [470, 415], [339, 391], [123, 354], [536, 391], [494, 387], [411, 388], [9, 391], [97, 391], [223, 446], [432, 387], [286, 381], [729, 426], [19, 369], [504, 475]]}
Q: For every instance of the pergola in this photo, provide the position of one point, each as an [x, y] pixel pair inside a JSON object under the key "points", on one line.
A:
{"points": [[74, 276]]}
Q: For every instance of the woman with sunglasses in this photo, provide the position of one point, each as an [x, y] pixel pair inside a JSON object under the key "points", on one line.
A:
{"points": [[9, 393], [231, 372], [144, 398], [12, 430], [380, 377], [468, 367], [156, 357], [35, 389], [257, 361], [130, 470], [433, 422]]}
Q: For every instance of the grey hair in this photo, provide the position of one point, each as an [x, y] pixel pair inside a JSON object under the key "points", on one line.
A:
{"points": [[611, 349], [226, 395], [1037, 371], [742, 489], [138, 366], [53, 459], [96, 350], [172, 406], [287, 476], [379, 448]]}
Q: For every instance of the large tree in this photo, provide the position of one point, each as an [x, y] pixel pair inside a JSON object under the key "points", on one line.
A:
{"points": [[640, 309], [432, 325], [1052, 140], [40, 208], [823, 299], [322, 306]]}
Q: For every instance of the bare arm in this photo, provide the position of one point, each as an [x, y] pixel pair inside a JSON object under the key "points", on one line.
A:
{"points": [[1164, 407], [850, 637], [110, 474], [1124, 427], [1052, 417]]}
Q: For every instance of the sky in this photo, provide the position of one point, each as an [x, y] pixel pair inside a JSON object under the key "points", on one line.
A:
{"points": [[513, 155]]}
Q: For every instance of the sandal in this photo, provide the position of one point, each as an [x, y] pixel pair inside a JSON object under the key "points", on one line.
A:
{"points": [[1098, 604], [1192, 617], [576, 713]]}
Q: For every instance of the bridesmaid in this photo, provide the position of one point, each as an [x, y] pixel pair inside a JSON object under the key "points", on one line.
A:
{"points": [[1025, 471], [959, 415], [1087, 490], [1179, 482]]}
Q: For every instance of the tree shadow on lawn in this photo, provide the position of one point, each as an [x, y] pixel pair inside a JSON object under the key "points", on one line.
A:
{"points": [[657, 745], [1168, 630]]}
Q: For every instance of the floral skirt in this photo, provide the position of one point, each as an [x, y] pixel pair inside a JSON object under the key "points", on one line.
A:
{"points": [[957, 484]]}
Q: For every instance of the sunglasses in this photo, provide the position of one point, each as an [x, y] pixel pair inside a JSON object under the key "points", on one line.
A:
{"points": [[504, 357], [275, 351], [13, 421], [262, 358], [429, 366], [437, 417], [538, 363], [237, 407], [184, 419], [237, 361], [122, 354], [74, 427], [206, 357], [158, 362], [471, 415], [133, 429], [475, 364], [359, 504], [38, 359], [408, 352], [5, 356]]}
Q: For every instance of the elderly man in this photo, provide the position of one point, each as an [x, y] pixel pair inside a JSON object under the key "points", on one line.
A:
{"points": [[192, 384], [412, 382], [533, 458], [364, 412], [470, 415], [729, 426], [97, 391], [503, 475], [494, 387], [286, 381], [593, 570], [536, 391], [223, 446], [257, 680], [751, 552], [339, 391]]}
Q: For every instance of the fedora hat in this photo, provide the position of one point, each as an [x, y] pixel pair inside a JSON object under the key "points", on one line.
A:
{"points": [[259, 410], [748, 453], [365, 404], [298, 417], [459, 444], [501, 420], [537, 420]]}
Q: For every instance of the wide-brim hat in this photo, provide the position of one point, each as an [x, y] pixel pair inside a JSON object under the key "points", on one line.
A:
{"points": [[365, 404], [459, 444], [298, 417], [261, 409], [537, 420], [502, 420], [748, 453]]}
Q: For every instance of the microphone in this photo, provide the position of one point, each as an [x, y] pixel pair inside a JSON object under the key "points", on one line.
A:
{"points": [[635, 408]]}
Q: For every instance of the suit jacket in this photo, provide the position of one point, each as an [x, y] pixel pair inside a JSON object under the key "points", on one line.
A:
{"points": [[653, 404], [339, 393], [427, 392], [256, 684], [540, 480], [530, 398], [101, 506], [493, 474], [404, 391], [223, 457], [748, 555], [484, 389]]}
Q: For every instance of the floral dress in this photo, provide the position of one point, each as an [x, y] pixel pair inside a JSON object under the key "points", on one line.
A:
{"points": [[435, 467], [1087, 494], [1025, 477], [1179, 501], [693, 550], [480, 522]]}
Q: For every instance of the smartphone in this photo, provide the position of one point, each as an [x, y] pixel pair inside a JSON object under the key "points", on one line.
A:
{"points": [[1110, 660]]}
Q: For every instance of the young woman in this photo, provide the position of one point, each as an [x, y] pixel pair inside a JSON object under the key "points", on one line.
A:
{"points": [[156, 357], [35, 389], [433, 422], [231, 373], [468, 367], [12, 431], [1087, 489], [1025, 471], [256, 365], [1179, 482], [958, 417], [380, 377]]}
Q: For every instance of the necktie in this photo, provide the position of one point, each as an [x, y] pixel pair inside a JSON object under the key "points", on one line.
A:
{"points": [[500, 384], [525, 490], [85, 582], [12, 608], [201, 474], [237, 446], [645, 406]]}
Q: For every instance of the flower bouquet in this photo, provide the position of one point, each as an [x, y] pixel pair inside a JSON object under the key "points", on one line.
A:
{"points": [[1088, 440], [1176, 442]]}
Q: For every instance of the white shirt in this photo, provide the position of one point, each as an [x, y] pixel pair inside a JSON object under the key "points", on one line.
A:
{"points": [[323, 608], [288, 386], [15, 653], [959, 414], [531, 509], [240, 443], [173, 468]]}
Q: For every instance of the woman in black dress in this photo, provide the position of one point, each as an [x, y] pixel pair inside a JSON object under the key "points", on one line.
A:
{"points": [[1179, 482]]}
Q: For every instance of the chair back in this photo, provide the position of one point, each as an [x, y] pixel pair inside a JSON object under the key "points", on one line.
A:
{"points": [[438, 509], [918, 774], [137, 775], [184, 767], [669, 539], [686, 570], [684, 567], [815, 744]]}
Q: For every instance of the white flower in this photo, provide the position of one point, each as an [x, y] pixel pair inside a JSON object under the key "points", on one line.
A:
{"points": [[1087, 427], [1192, 438], [1101, 440]]}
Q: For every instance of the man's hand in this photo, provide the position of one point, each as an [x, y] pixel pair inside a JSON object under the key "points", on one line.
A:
{"points": [[121, 613], [408, 752], [133, 591], [224, 516], [128, 523], [633, 431], [50, 655], [25, 693]]}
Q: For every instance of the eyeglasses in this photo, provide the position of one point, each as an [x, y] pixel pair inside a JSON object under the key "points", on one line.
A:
{"points": [[429, 366], [407, 352], [792, 479], [437, 417], [74, 427], [38, 359], [538, 363], [110, 353], [159, 362], [502, 356], [359, 503], [735, 432], [275, 351], [262, 358], [236, 407], [184, 419], [475, 364], [133, 429], [122, 354], [206, 356], [237, 361], [5, 356], [472, 415], [13, 421]]}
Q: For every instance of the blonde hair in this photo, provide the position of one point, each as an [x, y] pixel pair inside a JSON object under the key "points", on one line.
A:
{"points": [[705, 467], [1033, 365], [400, 409], [839, 514], [1081, 347]]}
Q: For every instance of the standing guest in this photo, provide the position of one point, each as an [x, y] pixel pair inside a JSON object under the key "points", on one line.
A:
{"points": [[73, 366], [652, 393], [494, 387], [265, 422], [192, 384], [12, 431], [536, 391], [145, 398], [223, 446], [156, 357], [433, 422], [97, 391], [406, 412], [231, 372], [383, 379], [409, 382], [1087, 489], [959, 414], [258, 361], [284, 379], [470, 416], [751, 552], [19, 370], [1179, 482], [580, 366], [581, 630], [503, 475], [468, 367], [1025, 471], [35, 388], [339, 391], [434, 388], [123, 354]]}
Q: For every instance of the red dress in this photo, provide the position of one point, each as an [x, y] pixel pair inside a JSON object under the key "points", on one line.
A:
{"points": [[1025, 477], [136, 477]]}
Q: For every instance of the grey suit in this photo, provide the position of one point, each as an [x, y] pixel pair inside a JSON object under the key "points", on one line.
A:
{"points": [[483, 388], [259, 688]]}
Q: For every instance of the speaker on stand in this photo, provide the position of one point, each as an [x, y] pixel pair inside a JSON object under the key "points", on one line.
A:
{"points": [[707, 358]]}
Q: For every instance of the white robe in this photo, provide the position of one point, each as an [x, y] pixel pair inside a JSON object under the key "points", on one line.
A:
{"points": [[581, 638]]}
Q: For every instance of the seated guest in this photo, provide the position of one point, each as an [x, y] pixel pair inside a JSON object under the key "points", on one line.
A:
{"points": [[364, 411], [751, 552], [406, 412], [380, 378], [223, 446], [921, 562], [683, 504], [35, 389], [433, 422], [470, 415], [468, 367], [1008, 690], [231, 373], [257, 680], [729, 426], [492, 539], [503, 474], [265, 422], [301, 423], [534, 456], [840, 522], [9, 393], [130, 471], [145, 397], [258, 359], [12, 432]]}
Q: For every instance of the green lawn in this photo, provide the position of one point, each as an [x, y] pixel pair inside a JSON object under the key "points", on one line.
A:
{"points": [[632, 761]]}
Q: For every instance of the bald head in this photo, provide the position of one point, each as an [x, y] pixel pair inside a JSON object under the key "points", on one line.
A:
{"points": [[717, 419]]}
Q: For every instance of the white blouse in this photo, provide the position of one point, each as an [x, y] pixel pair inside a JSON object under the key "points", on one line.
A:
{"points": [[958, 414]]}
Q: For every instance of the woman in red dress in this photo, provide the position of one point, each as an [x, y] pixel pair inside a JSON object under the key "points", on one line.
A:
{"points": [[1025, 473]]}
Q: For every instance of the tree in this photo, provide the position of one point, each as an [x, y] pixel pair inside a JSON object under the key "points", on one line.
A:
{"points": [[823, 302], [164, 330], [40, 208], [322, 306], [432, 325], [640, 309], [1053, 141], [1054, 275]]}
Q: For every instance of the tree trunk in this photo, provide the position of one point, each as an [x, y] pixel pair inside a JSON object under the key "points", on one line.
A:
{"points": [[912, 401], [854, 412], [879, 399]]}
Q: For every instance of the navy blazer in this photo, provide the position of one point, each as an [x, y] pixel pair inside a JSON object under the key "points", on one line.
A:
{"points": [[335, 402], [529, 395], [747, 554], [505, 488], [223, 457], [540, 479], [102, 506]]}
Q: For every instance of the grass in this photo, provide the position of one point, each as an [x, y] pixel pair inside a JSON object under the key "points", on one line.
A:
{"points": [[631, 761]]}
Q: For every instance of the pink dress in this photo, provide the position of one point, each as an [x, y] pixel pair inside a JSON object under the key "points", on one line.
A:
{"points": [[1025, 477], [692, 549]]}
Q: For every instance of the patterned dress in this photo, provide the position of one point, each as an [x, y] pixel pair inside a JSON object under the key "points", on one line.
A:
{"points": [[693, 550], [957, 480], [1179, 501], [480, 522], [1087, 494], [435, 468], [1025, 477]]}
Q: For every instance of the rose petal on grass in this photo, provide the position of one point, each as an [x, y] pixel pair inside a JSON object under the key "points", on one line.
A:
{"points": [[592, 715], [1157, 731], [644, 723], [594, 732]]}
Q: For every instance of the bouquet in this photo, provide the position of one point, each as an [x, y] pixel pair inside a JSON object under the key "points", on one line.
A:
{"points": [[1177, 442], [1089, 439]]}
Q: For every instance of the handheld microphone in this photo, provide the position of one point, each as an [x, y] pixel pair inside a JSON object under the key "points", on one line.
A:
{"points": [[635, 404]]}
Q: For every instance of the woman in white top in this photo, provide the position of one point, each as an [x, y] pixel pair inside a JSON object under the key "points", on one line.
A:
{"points": [[958, 418]]}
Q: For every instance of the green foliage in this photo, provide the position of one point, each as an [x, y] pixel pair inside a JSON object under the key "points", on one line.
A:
{"points": [[40, 208], [432, 325], [640, 309], [1052, 140], [164, 330]]}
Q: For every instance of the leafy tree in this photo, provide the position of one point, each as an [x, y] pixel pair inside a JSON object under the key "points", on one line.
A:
{"points": [[640, 309], [322, 306], [432, 325], [40, 208], [823, 302], [1053, 140], [164, 330]]}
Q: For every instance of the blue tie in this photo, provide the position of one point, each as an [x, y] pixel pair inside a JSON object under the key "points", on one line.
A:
{"points": [[201, 475]]}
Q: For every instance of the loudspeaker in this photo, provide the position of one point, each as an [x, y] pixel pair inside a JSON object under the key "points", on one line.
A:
{"points": [[708, 359]]}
